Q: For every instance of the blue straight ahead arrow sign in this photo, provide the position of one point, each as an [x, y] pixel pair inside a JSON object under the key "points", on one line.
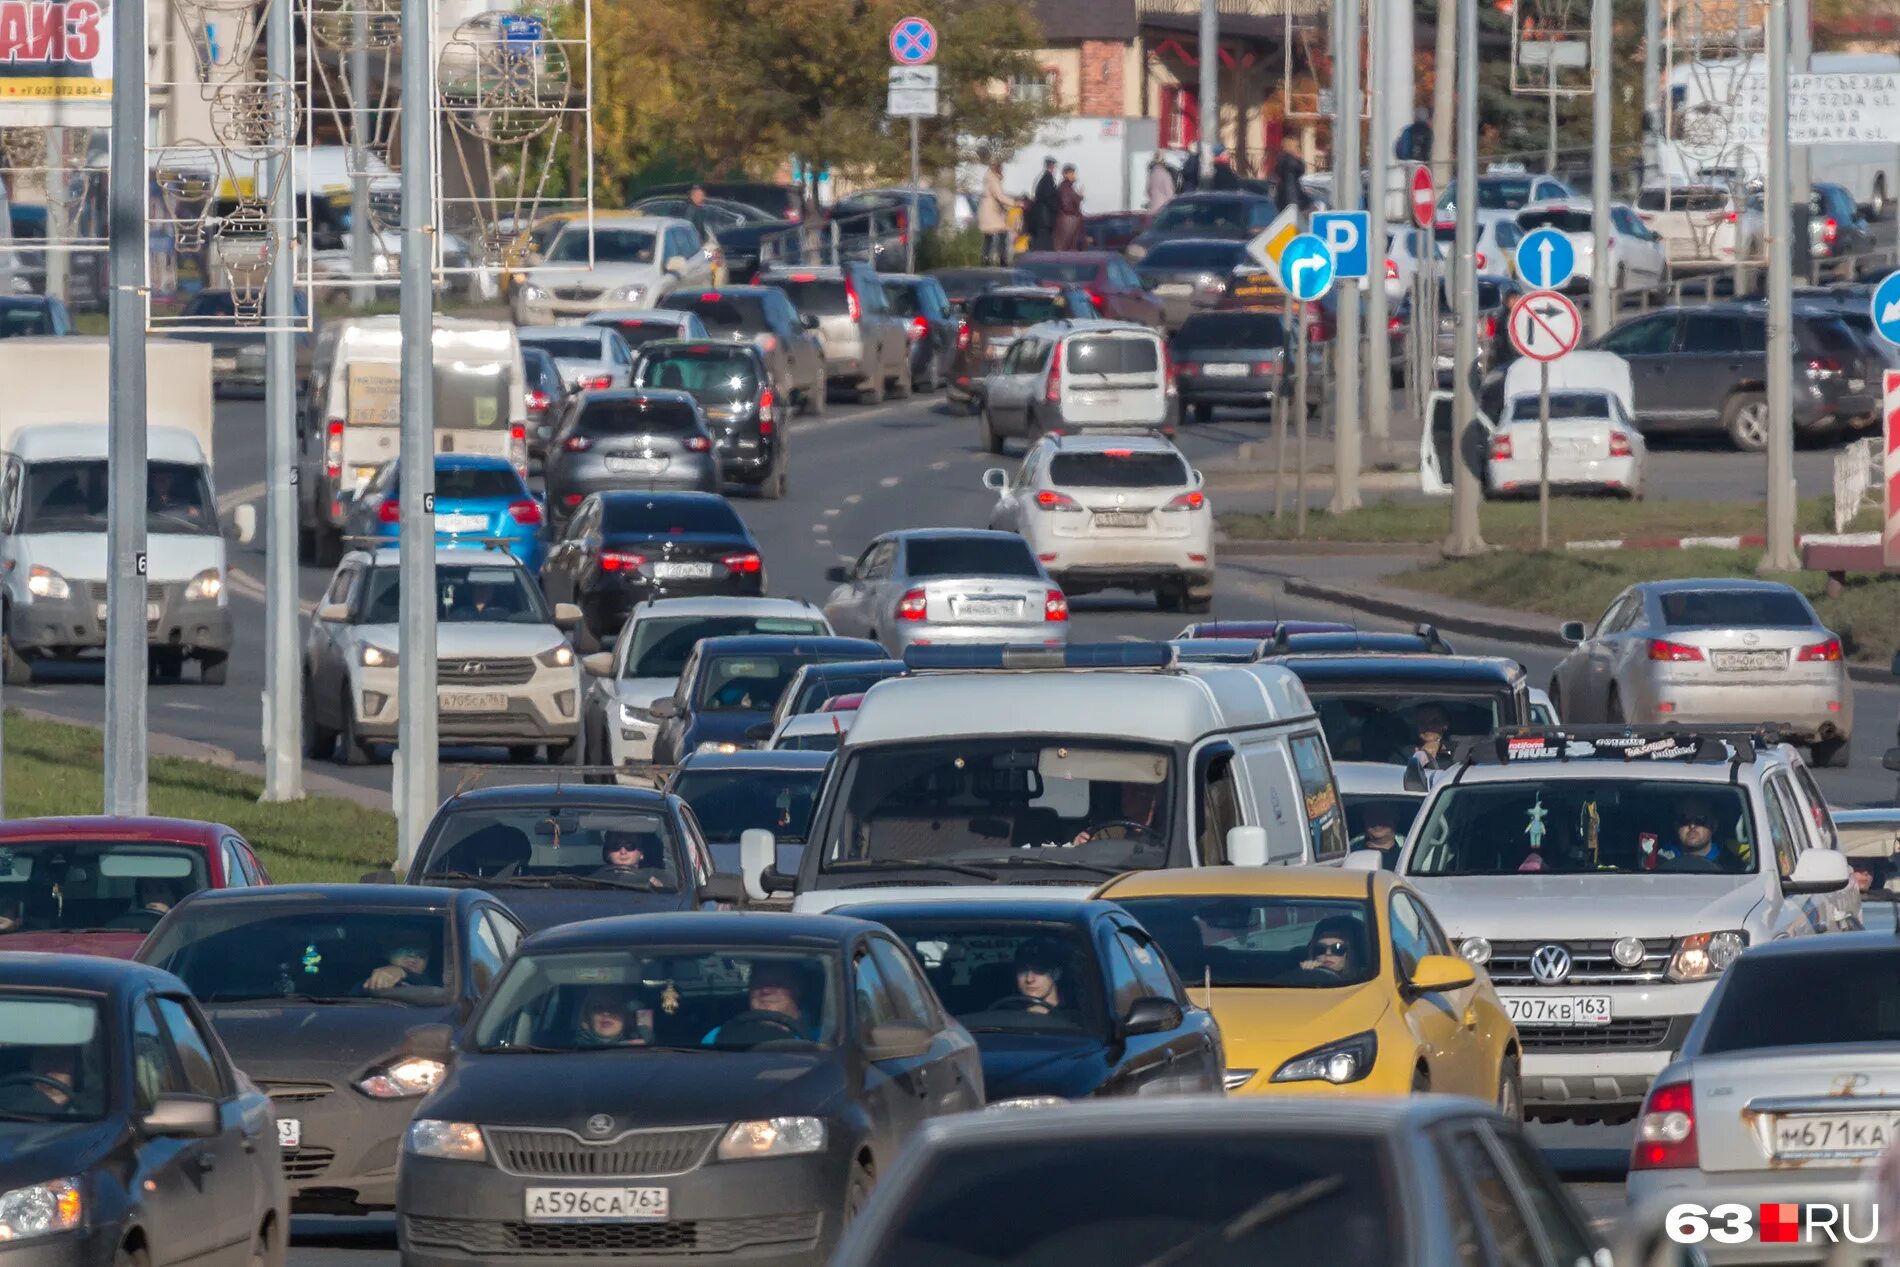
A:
{"points": [[1546, 259]]}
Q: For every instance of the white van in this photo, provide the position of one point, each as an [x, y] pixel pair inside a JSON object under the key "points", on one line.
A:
{"points": [[1019, 771], [1063, 377], [352, 424]]}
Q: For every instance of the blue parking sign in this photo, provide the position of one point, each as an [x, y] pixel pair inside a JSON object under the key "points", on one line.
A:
{"points": [[1345, 233]]}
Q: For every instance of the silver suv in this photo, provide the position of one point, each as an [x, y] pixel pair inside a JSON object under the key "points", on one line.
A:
{"points": [[867, 345], [1605, 876], [506, 675]]}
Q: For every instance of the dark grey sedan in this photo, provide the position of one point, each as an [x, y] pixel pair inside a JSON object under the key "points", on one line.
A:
{"points": [[641, 438], [1190, 274]]}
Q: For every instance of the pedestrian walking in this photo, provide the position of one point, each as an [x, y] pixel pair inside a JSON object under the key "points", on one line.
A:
{"points": [[1160, 185], [992, 218], [1044, 208], [1068, 234], [1226, 179]]}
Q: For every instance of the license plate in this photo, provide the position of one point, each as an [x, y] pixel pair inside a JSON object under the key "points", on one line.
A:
{"points": [[289, 1132], [1174, 288], [1559, 1009], [1862, 1135], [452, 522], [472, 701], [1120, 519], [1855, 384], [597, 1205], [1740, 661], [636, 466], [667, 571], [151, 612], [977, 609], [1228, 369]]}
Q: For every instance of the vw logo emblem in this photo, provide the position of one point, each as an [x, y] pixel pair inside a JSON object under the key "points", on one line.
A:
{"points": [[1550, 964], [599, 1124]]}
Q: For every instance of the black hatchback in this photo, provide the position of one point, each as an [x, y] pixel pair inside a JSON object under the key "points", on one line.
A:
{"points": [[712, 1086], [733, 385], [1067, 998], [1229, 357]]}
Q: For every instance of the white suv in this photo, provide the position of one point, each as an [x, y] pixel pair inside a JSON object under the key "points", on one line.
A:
{"points": [[1112, 511], [1606, 876], [1069, 376]]}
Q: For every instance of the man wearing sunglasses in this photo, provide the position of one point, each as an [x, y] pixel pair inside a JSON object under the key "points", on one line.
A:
{"points": [[1696, 848]]}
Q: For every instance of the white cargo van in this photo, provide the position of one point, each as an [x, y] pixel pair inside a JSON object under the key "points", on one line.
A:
{"points": [[353, 422], [1004, 771], [53, 489]]}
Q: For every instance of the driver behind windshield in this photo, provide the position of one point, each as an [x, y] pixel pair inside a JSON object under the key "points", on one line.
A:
{"points": [[408, 965], [1334, 947], [612, 1016], [1697, 845], [45, 1085], [1139, 803], [775, 1006], [632, 857], [1039, 975]]}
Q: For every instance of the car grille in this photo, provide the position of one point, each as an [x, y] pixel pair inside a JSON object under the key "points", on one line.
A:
{"points": [[154, 591], [306, 1163], [474, 671], [684, 1237], [578, 292], [559, 1155], [296, 1092], [1590, 963], [500, 725], [1625, 1035]]}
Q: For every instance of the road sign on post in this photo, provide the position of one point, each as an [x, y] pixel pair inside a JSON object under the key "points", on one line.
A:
{"points": [[1424, 197], [913, 46], [913, 42], [1890, 428], [1886, 308], [1307, 266], [1265, 247], [1347, 235], [1546, 259], [1545, 325]]}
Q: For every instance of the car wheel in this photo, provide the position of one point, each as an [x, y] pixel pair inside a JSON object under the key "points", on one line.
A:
{"points": [[214, 667], [164, 666], [571, 753], [349, 749], [858, 1194], [1745, 418], [985, 435], [1831, 754], [318, 740], [1170, 596], [871, 391], [523, 754], [1421, 1081], [1510, 1090], [1199, 601]]}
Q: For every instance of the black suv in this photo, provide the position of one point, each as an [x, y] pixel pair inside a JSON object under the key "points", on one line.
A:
{"points": [[1705, 369], [764, 317]]}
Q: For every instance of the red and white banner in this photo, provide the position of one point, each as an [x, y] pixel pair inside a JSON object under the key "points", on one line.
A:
{"points": [[1890, 432], [55, 62]]}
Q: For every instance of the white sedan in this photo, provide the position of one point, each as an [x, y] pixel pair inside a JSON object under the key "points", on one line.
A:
{"points": [[1594, 446]]}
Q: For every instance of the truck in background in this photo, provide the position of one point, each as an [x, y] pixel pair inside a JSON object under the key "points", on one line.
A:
{"points": [[53, 490], [350, 425]]}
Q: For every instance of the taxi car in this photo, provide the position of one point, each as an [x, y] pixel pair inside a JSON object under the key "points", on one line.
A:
{"points": [[1397, 1011]]}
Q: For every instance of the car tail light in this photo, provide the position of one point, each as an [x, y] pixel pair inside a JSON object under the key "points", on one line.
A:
{"points": [[525, 510], [851, 308], [1188, 367], [747, 564], [518, 448], [1823, 367], [1055, 606], [1193, 499], [1261, 369], [963, 335], [390, 511], [698, 444], [912, 605], [1829, 650], [806, 277], [578, 444], [333, 449], [1049, 499], [1052, 387], [1480, 259], [1391, 270], [1394, 323], [1619, 445], [572, 499], [1501, 448], [767, 406], [919, 328], [1674, 652], [537, 400], [1830, 230], [598, 383], [1665, 1133], [1099, 300], [1732, 216], [1169, 375], [903, 228], [1491, 325], [621, 561]]}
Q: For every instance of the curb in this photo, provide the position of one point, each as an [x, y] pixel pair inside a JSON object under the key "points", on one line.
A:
{"points": [[1755, 540], [1258, 548], [1410, 607]]}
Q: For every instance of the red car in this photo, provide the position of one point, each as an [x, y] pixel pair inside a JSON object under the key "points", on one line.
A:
{"points": [[97, 885], [1112, 283]]}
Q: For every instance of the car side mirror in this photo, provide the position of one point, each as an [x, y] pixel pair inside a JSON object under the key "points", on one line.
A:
{"points": [[433, 1042], [333, 613], [181, 1117], [1818, 871], [664, 709], [245, 517], [1199, 479], [1437, 973], [1572, 631], [897, 1040], [1362, 860], [837, 575], [1151, 1015], [809, 320], [725, 888], [1247, 846], [758, 865], [599, 663], [380, 877], [996, 479], [566, 615], [759, 733], [676, 265]]}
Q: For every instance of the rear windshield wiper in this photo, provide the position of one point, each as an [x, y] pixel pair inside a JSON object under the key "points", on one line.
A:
{"points": [[913, 864]]}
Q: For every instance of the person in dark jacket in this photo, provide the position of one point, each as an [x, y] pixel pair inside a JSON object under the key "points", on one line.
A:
{"points": [[1415, 142], [1191, 171], [1044, 208], [1286, 175], [1226, 178], [1068, 233]]}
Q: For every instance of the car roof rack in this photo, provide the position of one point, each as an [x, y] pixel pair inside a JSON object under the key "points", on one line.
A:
{"points": [[1715, 745], [1159, 657], [1336, 641]]}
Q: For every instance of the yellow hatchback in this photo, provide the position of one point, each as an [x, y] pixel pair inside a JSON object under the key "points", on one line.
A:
{"points": [[1328, 981]]}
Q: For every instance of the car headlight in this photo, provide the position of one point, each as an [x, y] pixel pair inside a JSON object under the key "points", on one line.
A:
{"points": [[1702, 955], [630, 294], [1347, 1060], [372, 656], [46, 583], [723, 746], [1026, 1102], [451, 1141], [773, 1137], [411, 1076], [40, 1209], [532, 292], [634, 715], [557, 657], [207, 584]]}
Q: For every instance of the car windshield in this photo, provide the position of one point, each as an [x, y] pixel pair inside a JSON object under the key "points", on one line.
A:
{"points": [[49, 886], [1846, 996], [1118, 468], [712, 375], [661, 644], [1048, 802], [53, 1063], [1588, 826], [1388, 815], [1235, 1198], [1205, 213], [70, 496], [1390, 726], [234, 952], [905, 300], [748, 682], [1015, 310], [537, 845], [465, 594], [1757, 609], [611, 246], [926, 557], [643, 416], [1256, 941], [1002, 978], [727, 802], [1663, 198], [1231, 330], [1219, 256], [19, 321], [1079, 271], [655, 997], [1566, 406], [572, 348], [815, 689]]}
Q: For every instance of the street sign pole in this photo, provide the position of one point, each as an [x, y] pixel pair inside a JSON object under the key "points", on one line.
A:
{"points": [[1465, 538], [1780, 555], [1299, 415], [283, 694], [1603, 299], [916, 226], [1385, 92], [1545, 327], [1543, 455], [1346, 452]]}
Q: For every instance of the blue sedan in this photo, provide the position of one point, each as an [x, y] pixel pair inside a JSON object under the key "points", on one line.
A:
{"points": [[478, 500]]}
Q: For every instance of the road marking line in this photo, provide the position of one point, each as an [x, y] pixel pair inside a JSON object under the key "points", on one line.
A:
{"points": [[890, 481], [831, 512], [939, 466], [854, 499], [181, 704]]}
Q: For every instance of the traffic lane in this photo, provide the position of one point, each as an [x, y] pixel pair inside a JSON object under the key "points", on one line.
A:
{"points": [[343, 1241], [1708, 469]]}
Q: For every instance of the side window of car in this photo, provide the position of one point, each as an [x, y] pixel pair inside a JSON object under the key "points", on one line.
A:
{"points": [[1124, 983], [698, 856], [196, 1055], [1824, 830], [1704, 334], [1409, 943], [1555, 1215], [874, 1000], [1496, 1205], [1218, 808], [1467, 1242], [1435, 938], [234, 877], [10, 495], [485, 955], [506, 932], [1646, 336], [154, 1071], [253, 868], [339, 591], [1607, 623], [881, 558], [871, 295], [1325, 820], [1151, 966], [1783, 826], [910, 997]]}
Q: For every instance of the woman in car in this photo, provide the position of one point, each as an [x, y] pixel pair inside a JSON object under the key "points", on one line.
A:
{"points": [[1334, 947], [610, 1016]]}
